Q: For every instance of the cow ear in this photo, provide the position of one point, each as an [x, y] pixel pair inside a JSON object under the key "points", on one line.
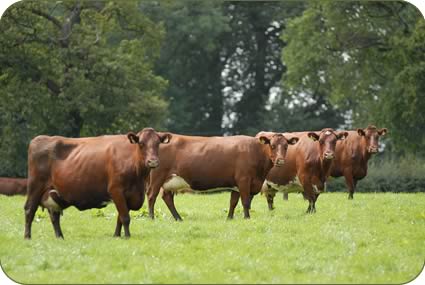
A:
{"points": [[264, 140], [165, 137], [293, 140], [342, 135], [133, 138], [313, 136], [361, 132], [382, 132]]}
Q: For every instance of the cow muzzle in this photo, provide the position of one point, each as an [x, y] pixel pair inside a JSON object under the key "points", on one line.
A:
{"points": [[373, 149], [279, 162], [152, 163], [329, 155]]}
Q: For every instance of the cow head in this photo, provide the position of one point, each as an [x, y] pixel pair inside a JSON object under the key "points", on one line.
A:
{"points": [[148, 141], [278, 145], [327, 139], [371, 136]]}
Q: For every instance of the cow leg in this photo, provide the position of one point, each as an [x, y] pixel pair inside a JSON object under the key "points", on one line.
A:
{"points": [[270, 198], [245, 192], [152, 195], [285, 196], [350, 183], [308, 194], [122, 208], [168, 198], [234, 199], [55, 218], [31, 205], [118, 227]]}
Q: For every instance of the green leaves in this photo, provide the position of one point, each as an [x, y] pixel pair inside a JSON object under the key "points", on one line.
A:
{"points": [[366, 58], [76, 68]]}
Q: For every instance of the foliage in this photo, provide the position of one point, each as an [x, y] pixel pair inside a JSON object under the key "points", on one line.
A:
{"points": [[192, 59], [341, 243], [388, 175], [75, 68], [368, 59]]}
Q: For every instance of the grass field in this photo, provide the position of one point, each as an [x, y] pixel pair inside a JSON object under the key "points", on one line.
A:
{"points": [[376, 238]]}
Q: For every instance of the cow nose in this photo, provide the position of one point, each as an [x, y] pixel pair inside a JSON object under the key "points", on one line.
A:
{"points": [[329, 155], [373, 149], [280, 162], [153, 163]]}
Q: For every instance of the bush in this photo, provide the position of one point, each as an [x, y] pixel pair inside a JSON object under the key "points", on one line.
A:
{"points": [[390, 175]]}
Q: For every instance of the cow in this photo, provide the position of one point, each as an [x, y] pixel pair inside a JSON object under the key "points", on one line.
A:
{"points": [[13, 186], [353, 154], [307, 166], [237, 163], [90, 172]]}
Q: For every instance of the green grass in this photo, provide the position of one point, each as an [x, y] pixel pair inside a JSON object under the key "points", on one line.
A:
{"points": [[376, 238]]}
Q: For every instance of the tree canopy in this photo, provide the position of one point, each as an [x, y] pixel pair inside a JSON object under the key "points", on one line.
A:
{"points": [[86, 68]]}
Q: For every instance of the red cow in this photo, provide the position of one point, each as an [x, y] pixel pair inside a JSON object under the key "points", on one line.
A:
{"points": [[203, 164], [89, 172], [307, 166], [13, 186], [353, 154]]}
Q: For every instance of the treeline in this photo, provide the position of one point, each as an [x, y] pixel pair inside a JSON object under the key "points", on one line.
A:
{"points": [[85, 68], [399, 175]]}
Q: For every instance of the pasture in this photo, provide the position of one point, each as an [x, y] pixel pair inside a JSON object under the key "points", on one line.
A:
{"points": [[376, 238]]}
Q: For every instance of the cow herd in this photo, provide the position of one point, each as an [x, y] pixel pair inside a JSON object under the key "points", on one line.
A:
{"points": [[90, 172]]}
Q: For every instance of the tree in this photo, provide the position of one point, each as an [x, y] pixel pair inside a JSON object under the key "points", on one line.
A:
{"points": [[367, 59], [254, 67], [76, 68]]}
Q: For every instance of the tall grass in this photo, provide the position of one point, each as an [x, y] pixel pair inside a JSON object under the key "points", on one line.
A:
{"points": [[376, 238]]}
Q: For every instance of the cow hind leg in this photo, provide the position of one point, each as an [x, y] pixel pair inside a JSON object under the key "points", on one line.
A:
{"points": [[168, 198], [234, 199], [152, 195], [55, 218], [35, 193], [270, 200], [118, 227], [245, 193]]}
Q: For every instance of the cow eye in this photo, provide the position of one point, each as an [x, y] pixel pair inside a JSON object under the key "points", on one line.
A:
{"points": [[273, 146]]}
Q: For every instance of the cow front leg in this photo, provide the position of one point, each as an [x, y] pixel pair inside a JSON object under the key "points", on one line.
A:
{"points": [[168, 198], [349, 181], [234, 198], [123, 211], [310, 196], [55, 219]]}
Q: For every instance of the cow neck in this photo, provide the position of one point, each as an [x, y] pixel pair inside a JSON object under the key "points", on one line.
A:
{"points": [[269, 164], [325, 169], [141, 169], [365, 154]]}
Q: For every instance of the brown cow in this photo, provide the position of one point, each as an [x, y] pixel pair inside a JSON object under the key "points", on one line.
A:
{"points": [[353, 154], [13, 186], [307, 166], [240, 163], [89, 172]]}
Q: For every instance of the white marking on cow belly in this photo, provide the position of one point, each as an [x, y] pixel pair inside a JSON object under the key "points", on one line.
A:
{"points": [[292, 187], [178, 184], [50, 203]]}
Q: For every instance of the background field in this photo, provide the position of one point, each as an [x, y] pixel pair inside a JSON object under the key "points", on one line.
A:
{"points": [[376, 238]]}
